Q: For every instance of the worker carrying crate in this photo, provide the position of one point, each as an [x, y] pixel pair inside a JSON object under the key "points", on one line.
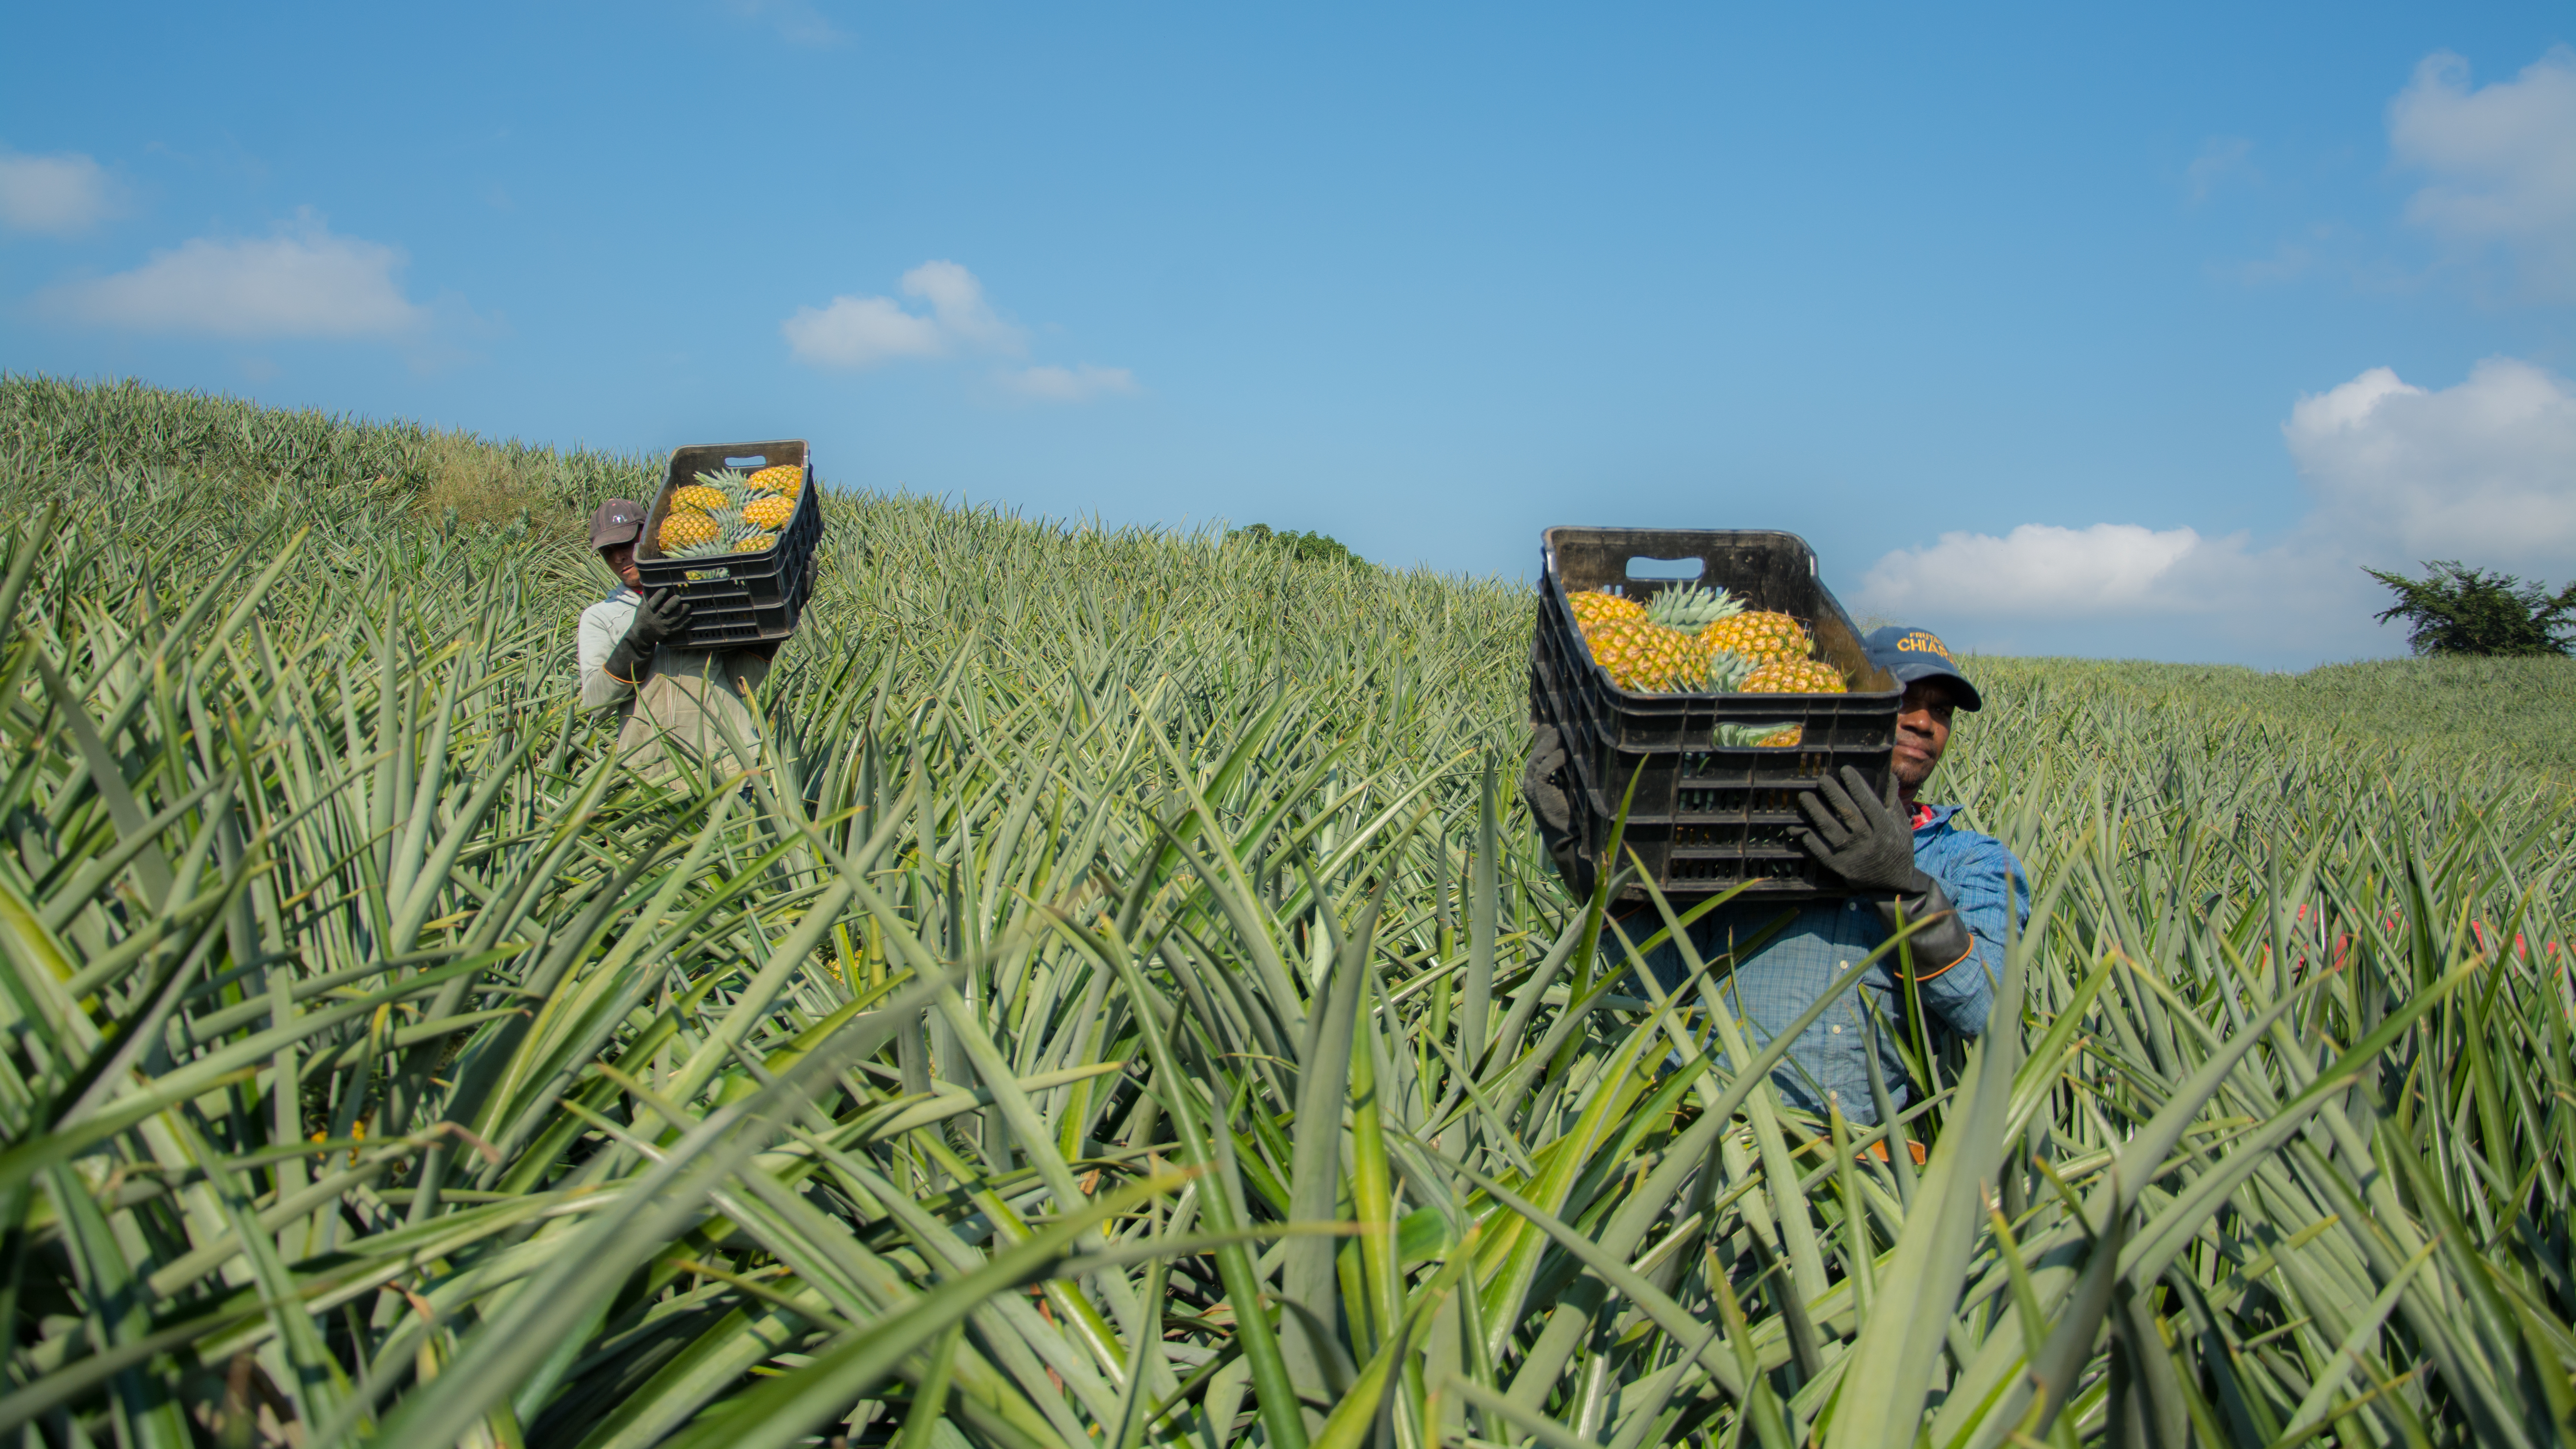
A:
{"points": [[1709, 686], [712, 577]]}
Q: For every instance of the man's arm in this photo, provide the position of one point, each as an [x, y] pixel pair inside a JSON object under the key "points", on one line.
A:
{"points": [[1991, 894], [662, 615], [1955, 883], [602, 626]]}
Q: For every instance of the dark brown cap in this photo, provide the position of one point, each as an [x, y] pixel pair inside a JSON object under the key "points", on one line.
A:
{"points": [[619, 520]]}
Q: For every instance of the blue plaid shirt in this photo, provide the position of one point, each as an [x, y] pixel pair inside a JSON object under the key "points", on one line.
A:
{"points": [[1769, 988]]}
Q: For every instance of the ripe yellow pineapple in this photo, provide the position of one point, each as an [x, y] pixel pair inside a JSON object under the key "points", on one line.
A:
{"points": [[1593, 608], [1795, 676], [1647, 658], [697, 498], [769, 511], [1764, 637], [753, 542], [785, 479], [686, 529]]}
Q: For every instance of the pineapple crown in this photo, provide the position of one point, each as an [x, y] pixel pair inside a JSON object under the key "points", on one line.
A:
{"points": [[731, 482], [1692, 607], [1726, 670]]}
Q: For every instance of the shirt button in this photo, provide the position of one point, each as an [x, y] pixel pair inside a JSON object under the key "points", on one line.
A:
{"points": [[1838, 1028]]}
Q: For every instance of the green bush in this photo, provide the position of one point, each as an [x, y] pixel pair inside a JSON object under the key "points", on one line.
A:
{"points": [[1304, 547]]}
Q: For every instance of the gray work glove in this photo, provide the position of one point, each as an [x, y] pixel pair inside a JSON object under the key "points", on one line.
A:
{"points": [[1862, 836], [662, 615], [1865, 838]]}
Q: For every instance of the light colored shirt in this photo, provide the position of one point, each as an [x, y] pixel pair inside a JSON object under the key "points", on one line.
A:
{"points": [[602, 625]]}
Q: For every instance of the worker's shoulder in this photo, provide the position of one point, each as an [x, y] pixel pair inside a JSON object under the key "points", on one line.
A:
{"points": [[620, 603], [1946, 836]]}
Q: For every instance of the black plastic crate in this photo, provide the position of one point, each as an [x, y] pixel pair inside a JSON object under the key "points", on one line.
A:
{"points": [[744, 598], [1704, 817]]}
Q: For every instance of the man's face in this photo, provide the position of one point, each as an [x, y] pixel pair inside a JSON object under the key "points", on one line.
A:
{"points": [[620, 558], [1922, 732]]}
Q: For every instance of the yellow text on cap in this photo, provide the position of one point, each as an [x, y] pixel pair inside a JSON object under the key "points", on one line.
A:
{"points": [[1919, 642]]}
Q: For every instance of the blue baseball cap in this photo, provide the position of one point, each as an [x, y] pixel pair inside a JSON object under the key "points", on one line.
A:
{"points": [[1912, 654]]}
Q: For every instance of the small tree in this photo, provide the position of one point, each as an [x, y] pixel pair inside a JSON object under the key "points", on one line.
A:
{"points": [[2459, 610], [1303, 547]]}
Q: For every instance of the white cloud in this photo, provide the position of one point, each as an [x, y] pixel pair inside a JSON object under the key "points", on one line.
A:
{"points": [[305, 281], [957, 320], [59, 195], [957, 300], [865, 331], [2484, 471], [2501, 161], [1048, 383], [2042, 570], [860, 332]]}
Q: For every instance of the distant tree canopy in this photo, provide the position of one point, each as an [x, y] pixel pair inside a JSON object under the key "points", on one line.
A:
{"points": [[1304, 547], [2459, 610]]}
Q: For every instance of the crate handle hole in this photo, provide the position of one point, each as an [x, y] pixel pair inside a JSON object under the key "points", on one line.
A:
{"points": [[1666, 568], [756, 460]]}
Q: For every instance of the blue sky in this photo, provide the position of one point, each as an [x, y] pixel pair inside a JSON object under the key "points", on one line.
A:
{"points": [[2053, 331]]}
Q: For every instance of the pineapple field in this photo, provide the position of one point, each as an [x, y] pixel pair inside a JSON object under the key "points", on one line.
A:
{"points": [[1128, 1008]]}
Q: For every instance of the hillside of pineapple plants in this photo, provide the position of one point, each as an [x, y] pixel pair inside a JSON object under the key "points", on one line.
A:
{"points": [[1127, 1008]]}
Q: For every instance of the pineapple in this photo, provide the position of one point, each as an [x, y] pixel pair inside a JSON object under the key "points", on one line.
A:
{"points": [[1763, 637], [1694, 640], [722, 513], [1795, 676], [1647, 658], [785, 479], [1593, 607], [1779, 676], [685, 530], [769, 512], [1718, 673]]}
